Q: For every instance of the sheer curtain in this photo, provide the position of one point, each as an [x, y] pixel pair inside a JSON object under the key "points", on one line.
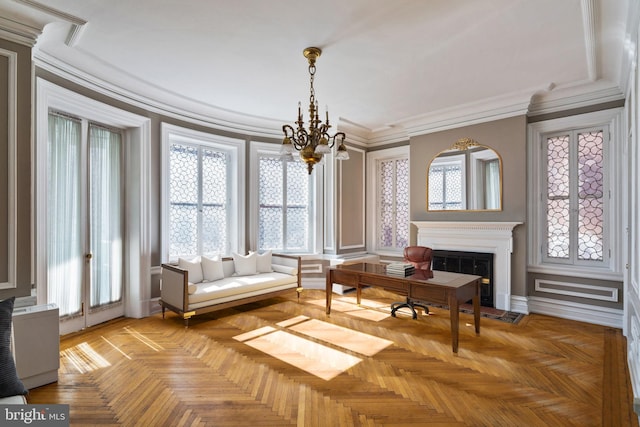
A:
{"points": [[105, 212], [492, 184], [64, 245]]}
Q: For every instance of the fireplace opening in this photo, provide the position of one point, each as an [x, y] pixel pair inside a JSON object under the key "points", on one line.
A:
{"points": [[476, 263]]}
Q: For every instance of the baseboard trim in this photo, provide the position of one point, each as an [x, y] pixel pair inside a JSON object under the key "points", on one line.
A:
{"points": [[575, 311]]}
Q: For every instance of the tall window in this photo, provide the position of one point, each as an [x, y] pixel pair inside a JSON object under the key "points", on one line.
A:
{"points": [[576, 196], [285, 205], [198, 195], [388, 200], [201, 194]]}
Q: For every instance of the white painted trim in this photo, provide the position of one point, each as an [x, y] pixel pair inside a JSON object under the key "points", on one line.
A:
{"points": [[519, 304], [474, 236], [535, 131], [256, 149], [372, 192], [12, 179], [540, 286], [574, 311], [311, 268], [235, 147], [138, 146]]}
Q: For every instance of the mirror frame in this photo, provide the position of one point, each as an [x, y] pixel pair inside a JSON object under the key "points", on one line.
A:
{"points": [[463, 145]]}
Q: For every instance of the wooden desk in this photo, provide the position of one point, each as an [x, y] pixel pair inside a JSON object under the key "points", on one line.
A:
{"points": [[440, 287]]}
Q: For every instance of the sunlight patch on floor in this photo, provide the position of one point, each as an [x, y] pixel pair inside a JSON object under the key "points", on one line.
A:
{"points": [[82, 358], [344, 337], [367, 310], [315, 358], [143, 339]]}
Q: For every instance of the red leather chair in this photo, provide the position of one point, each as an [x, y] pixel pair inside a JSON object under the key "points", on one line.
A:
{"points": [[420, 257]]}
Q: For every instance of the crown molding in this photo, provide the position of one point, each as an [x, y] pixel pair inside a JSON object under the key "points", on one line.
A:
{"points": [[23, 21], [177, 107], [574, 96]]}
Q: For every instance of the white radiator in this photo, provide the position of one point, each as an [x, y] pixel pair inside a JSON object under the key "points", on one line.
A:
{"points": [[37, 344]]}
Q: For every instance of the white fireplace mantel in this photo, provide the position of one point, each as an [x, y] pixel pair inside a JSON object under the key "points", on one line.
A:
{"points": [[474, 236]]}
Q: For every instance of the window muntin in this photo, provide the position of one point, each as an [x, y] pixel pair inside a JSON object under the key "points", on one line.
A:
{"points": [[285, 205], [576, 207]]}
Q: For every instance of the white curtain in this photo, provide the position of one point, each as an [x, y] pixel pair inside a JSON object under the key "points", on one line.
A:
{"points": [[492, 184], [105, 215], [64, 245]]}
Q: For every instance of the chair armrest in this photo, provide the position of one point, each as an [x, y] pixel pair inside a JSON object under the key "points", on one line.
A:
{"points": [[174, 286]]}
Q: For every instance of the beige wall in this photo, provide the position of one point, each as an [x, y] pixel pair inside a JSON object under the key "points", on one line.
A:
{"points": [[508, 137], [351, 203], [18, 107]]}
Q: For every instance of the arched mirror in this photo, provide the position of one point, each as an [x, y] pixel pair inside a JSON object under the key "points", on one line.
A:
{"points": [[468, 176]]}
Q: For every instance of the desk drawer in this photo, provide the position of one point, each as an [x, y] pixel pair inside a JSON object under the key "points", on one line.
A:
{"points": [[428, 293], [390, 284], [344, 277]]}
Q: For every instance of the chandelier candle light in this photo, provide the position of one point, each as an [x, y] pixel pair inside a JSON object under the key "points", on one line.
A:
{"points": [[316, 141]]}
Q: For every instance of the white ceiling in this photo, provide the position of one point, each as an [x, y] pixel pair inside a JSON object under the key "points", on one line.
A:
{"points": [[386, 67]]}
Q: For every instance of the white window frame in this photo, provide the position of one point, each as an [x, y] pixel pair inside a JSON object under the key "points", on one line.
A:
{"points": [[235, 149], [611, 267], [373, 196], [457, 160], [263, 149]]}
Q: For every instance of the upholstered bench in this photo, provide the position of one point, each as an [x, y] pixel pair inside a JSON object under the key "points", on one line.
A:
{"points": [[205, 284]]}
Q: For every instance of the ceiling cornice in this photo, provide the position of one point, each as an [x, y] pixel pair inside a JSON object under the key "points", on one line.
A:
{"points": [[24, 20]]}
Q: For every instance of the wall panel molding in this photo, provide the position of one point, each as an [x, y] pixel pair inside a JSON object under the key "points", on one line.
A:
{"points": [[8, 231]]}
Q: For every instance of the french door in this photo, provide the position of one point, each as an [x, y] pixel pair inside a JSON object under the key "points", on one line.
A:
{"points": [[84, 222]]}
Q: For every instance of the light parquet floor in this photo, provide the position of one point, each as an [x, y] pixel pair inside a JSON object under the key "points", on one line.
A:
{"points": [[279, 362]]}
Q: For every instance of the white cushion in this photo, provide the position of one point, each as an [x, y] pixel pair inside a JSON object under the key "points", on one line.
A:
{"points": [[194, 269], [264, 262], [245, 265], [211, 268], [285, 269]]}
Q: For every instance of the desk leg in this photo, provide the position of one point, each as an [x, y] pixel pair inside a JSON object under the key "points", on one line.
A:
{"points": [[476, 309], [455, 318], [358, 294], [329, 290]]}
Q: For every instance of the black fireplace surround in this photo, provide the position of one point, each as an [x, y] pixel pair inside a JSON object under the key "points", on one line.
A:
{"points": [[479, 264]]}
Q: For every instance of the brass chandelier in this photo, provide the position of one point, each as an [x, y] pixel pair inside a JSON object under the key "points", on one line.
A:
{"points": [[314, 142]]}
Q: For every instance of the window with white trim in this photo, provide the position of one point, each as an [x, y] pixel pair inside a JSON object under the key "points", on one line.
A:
{"points": [[285, 202], [388, 197], [576, 201], [574, 207], [200, 208]]}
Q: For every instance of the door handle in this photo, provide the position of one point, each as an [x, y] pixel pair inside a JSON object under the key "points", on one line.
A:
{"points": [[88, 256]]}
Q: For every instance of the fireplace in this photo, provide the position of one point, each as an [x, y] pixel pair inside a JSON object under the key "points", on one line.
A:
{"points": [[471, 236], [477, 263]]}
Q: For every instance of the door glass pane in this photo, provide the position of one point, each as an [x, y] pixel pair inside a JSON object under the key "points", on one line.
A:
{"points": [[183, 200], [105, 216], [558, 209], [64, 242], [270, 201], [214, 202], [590, 196], [402, 203], [297, 206]]}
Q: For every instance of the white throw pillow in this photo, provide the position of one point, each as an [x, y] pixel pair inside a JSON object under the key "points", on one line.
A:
{"points": [[193, 268], [264, 262], [285, 269], [245, 265], [212, 268]]}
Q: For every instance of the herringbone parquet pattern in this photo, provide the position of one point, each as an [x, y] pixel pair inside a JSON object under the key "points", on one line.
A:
{"points": [[280, 363]]}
